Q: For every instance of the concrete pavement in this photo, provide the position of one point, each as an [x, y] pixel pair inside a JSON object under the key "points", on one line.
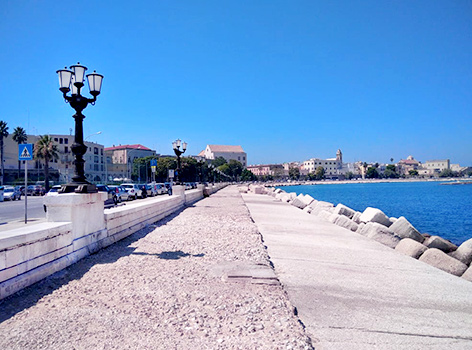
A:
{"points": [[354, 293]]}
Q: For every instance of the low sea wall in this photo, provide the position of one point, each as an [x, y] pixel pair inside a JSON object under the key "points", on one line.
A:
{"points": [[396, 233], [76, 229]]}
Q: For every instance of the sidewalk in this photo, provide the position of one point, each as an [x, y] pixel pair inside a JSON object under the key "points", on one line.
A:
{"points": [[200, 279], [354, 293]]}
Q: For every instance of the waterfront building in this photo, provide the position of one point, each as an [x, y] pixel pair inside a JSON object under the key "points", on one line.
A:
{"points": [[227, 152], [267, 169], [333, 167], [120, 159], [405, 165]]}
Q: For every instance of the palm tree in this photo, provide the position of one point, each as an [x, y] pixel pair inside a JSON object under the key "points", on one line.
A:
{"points": [[3, 133], [19, 136], [45, 149]]}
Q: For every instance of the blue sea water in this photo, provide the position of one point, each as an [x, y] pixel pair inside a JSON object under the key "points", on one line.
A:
{"points": [[443, 210]]}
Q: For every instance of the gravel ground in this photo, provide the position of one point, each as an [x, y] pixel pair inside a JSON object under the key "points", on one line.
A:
{"points": [[161, 288]]}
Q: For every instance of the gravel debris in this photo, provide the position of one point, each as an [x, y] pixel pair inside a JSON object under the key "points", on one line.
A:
{"points": [[158, 289]]}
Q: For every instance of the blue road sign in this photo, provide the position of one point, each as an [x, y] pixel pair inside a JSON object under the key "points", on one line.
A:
{"points": [[25, 151], [153, 162]]}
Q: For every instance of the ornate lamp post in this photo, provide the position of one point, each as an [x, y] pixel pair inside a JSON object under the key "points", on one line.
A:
{"points": [[74, 80], [176, 146]]}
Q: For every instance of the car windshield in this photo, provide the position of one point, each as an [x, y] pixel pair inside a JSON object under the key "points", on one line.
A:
{"points": [[8, 189], [127, 186]]}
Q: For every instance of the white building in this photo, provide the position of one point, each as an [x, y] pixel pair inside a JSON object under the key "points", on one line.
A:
{"points": [[94, 158], [332, 166], [227, 152]]}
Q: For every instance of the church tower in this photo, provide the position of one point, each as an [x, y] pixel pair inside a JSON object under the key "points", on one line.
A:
{"points": [[339, 156]]}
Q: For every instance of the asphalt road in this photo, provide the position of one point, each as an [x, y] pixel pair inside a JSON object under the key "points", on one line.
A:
{"points": [[12, 212]]}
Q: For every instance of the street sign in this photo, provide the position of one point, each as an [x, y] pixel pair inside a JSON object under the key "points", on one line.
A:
{"points": [[171, 173], [153, 162], [25, 151]]}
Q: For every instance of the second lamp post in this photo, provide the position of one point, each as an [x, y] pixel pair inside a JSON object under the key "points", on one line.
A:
{"points": [[176, 146]]}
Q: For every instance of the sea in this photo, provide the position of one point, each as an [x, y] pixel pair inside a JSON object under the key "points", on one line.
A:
{"points": [[431, 207]]}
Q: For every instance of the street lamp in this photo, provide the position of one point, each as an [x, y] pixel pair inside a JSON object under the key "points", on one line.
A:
{"points": [[96, 133], [176, 146], [74, 80]]}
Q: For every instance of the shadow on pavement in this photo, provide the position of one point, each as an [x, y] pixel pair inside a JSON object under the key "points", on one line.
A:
{"points": [[171, 255]]}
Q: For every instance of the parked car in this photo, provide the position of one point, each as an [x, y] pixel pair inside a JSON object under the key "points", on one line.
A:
{"points": [[151, 190], [121, 193], [110, 201], [38, 190], [133, 190], [30, 190], [11, 194], [161, 188], [54, 191], [21, 189]]}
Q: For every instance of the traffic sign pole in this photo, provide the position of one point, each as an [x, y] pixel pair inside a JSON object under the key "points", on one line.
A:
{"points": [[25, 152], [26, 191]]}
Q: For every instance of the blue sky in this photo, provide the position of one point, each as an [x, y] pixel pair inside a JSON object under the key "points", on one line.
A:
{"points": [[286, 80]]}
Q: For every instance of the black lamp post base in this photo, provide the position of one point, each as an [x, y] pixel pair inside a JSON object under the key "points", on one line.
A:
{"points": [[78, 188]]}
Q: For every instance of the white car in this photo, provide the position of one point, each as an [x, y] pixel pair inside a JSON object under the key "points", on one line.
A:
{"points": [[133, 190], [54, 190], [10, 194]]}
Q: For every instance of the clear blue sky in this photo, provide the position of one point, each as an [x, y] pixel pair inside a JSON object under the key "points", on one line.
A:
{"points": [[286, 80]]}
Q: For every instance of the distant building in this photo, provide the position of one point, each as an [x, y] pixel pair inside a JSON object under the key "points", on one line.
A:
{"points": [[62, 167], [119, 159], [404, 166], [227, 152], [268, 169], [333, 167]]}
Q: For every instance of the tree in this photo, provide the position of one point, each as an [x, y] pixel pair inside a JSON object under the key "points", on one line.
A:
{"points": [[372, 173], [447, 173], [19, 136], [218, 161], [294, 173], [413, 172], [391, 172], [319, 173], [46, 150], [3, 133], [247, 175], [349, 175]]}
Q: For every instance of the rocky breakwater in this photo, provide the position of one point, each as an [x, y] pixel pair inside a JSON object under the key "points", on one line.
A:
{"points": [[396, 233]]}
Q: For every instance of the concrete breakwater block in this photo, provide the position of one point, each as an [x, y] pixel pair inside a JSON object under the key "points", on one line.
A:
{"points": [[380, 233], [402, 227], [442, 261], [411, 247], [375, 215], [343, 221], [341, 209], [301, 201], [356, 217], [320, 206], [468, 274], [464, 252], [440, 243]]}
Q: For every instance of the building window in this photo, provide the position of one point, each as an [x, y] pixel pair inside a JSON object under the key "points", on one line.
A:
{"points": [[101, 151], [66, 141], [55, 139], [95, 150], [61, 140], [66, 149]]}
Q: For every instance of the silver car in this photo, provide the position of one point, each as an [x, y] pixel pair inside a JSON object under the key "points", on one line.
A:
{"points": [[11, 194]]}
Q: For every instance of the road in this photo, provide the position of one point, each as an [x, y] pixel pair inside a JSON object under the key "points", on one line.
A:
{"points": [[13, 212]]}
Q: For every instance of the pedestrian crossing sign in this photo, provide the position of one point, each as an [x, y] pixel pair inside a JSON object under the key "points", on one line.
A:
{"points": [[25, 151]]}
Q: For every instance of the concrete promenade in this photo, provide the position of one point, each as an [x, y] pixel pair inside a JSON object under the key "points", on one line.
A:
{"points": [[354, 293]]}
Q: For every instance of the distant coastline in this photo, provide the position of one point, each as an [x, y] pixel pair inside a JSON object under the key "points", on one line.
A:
{"points": [[448, 181]]}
